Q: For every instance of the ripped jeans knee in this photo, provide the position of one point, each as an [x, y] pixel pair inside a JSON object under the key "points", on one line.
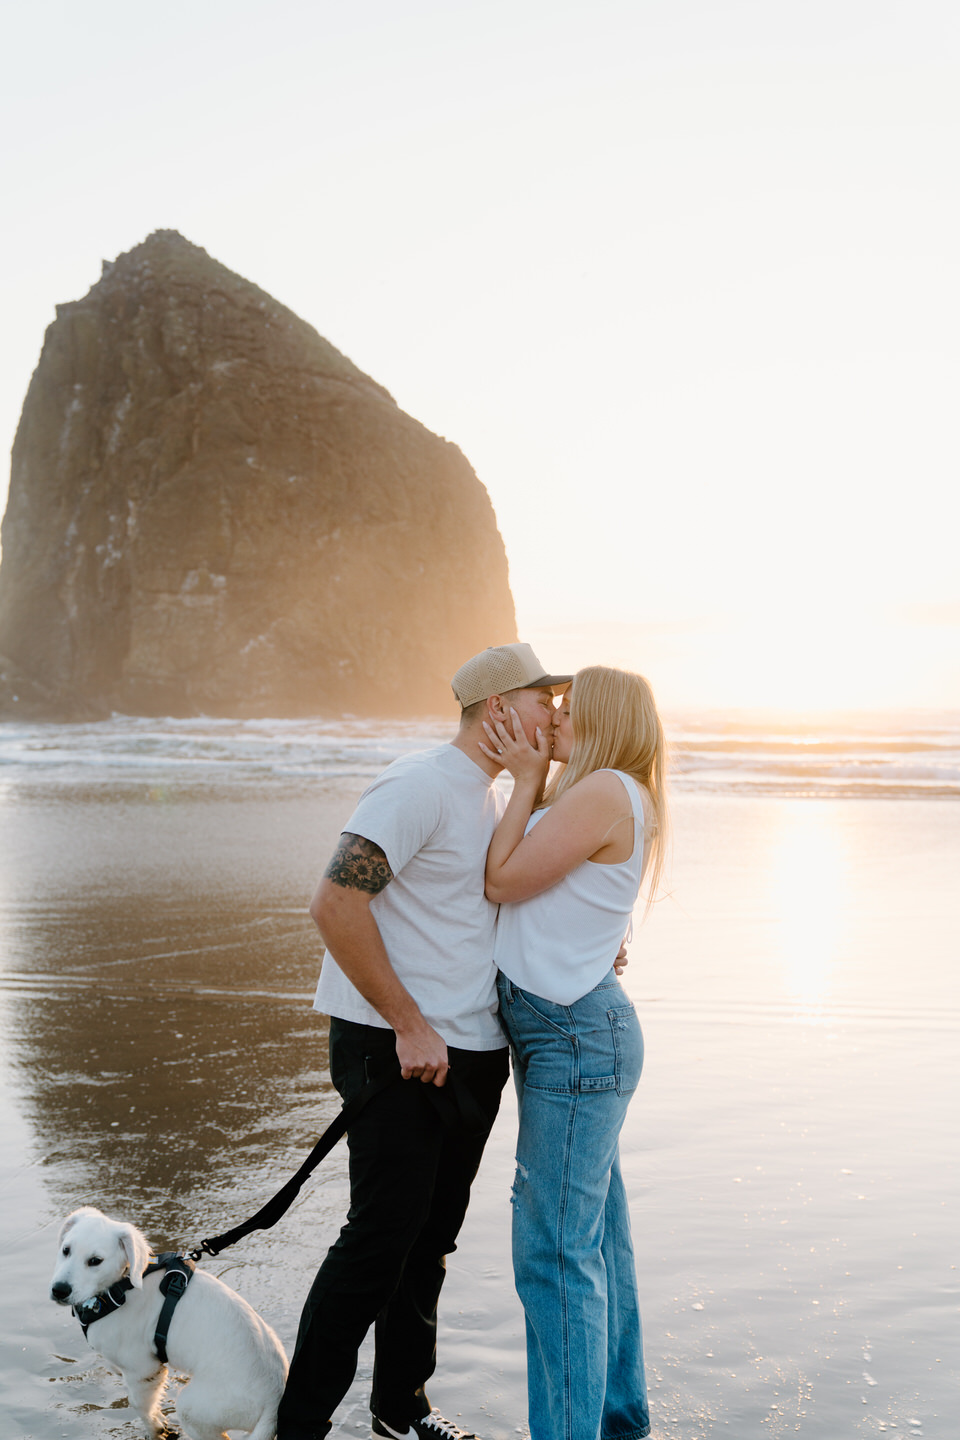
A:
{"points": [[521, 1176]]}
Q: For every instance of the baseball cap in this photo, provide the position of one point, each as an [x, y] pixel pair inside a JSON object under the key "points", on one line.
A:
{"points": [[501, 668]]}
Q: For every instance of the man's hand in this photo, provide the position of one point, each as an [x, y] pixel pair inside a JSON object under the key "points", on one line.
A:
{"points": [[341, 907], [423, 1055], [622, 960]]}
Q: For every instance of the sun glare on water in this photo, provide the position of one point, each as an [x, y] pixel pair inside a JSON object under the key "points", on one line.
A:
{"points": [[807, 889]]}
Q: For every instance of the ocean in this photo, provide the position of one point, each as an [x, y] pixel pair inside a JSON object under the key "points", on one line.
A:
{"points": [[909, 754], [788, 1156]]}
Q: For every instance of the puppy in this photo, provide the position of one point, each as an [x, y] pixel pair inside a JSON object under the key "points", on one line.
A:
{"points": [[237, 1363]]}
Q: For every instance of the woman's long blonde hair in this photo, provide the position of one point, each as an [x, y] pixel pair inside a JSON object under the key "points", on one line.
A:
{"points": [[616, 727]]}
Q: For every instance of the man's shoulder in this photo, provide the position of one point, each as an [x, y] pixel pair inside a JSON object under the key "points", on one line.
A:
{"points": [[408, 780], [443, 772], [443, 765], [419, 766]]}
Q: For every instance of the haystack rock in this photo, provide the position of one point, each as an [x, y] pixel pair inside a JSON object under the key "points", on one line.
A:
{"points": [[213, 511]]}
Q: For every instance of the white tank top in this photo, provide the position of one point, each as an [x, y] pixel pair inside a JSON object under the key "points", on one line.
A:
{"points": [[561, 943]]}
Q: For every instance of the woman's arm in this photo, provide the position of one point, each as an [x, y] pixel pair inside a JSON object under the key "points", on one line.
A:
{"points": [[577, 828]]}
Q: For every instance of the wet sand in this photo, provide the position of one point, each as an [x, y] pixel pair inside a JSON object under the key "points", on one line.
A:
{"points": [[793, 1184]]}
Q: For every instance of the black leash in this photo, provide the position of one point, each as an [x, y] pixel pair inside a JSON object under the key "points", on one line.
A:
{"points": [[284, 1198], [457, 1108]]}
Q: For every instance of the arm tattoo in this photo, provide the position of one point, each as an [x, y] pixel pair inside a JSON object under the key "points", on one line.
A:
{"points": [[358, 864]]}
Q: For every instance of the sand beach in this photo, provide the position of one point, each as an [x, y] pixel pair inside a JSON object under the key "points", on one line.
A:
{"points": [[789, 1156]]}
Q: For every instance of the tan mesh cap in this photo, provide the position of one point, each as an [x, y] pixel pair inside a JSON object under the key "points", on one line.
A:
{"points": [[501, 668]]}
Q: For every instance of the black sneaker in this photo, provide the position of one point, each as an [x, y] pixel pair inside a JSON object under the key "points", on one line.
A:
{"points": [[431, 1427]]}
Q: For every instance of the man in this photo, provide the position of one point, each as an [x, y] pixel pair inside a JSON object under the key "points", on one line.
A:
{"points": [[409, 977]]}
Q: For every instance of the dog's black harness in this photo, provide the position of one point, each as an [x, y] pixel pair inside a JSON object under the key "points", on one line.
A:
{"points": [[173, 1285]]}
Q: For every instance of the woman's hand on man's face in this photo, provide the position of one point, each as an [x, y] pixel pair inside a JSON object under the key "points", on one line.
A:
{"points": [[514, 752]]}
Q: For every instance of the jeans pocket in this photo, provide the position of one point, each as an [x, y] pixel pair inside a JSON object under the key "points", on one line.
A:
{"points": [[544, 1044], [627, 1047], [532, 1011]]}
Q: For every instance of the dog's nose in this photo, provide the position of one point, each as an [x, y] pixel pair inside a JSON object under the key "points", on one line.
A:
{"points": [[60, 1292]]}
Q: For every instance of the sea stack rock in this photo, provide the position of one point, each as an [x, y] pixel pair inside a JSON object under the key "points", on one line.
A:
{"points": [[213, 511]]}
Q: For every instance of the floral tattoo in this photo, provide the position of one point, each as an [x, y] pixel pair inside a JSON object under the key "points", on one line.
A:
{"points": [[358, 864]]}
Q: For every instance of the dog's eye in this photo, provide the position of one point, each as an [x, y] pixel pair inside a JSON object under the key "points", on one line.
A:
{"points": [[95, 1260], [66, 1250]]}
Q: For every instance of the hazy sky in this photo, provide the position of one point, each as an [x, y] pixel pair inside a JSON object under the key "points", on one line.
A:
{"points": [[680, 277]]}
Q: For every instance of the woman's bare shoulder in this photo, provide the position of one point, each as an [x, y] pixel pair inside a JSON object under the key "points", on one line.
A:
{"points": [[606, 787], [600, 786]]}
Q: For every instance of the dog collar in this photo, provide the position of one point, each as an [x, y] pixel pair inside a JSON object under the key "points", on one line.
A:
{"points": [[103, 1304]]}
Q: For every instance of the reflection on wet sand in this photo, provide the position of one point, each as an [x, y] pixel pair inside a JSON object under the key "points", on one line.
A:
{"points": [[160, 1081], [157, 962]]}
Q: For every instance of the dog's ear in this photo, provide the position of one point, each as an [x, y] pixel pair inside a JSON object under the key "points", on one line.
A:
{"points": [[137, 1250], [71, 1220]]}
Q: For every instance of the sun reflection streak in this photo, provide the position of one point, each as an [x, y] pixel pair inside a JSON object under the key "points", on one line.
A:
{"points": [[7, 955], [808, 885]]}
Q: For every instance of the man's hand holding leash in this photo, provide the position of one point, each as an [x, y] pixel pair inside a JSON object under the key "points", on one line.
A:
{"points": [[341, 908], [422, 1054]]}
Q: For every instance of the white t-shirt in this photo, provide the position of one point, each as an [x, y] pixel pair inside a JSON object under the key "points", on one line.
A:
{"points": [[433, 816], [561, 943]]}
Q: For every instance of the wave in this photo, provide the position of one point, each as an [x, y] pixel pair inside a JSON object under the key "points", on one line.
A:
{"points": [[889, 756], [207, 751], [901, 755]]}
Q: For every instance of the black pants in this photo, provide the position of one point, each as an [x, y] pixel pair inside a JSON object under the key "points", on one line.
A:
{"points": [[413, 1157]]}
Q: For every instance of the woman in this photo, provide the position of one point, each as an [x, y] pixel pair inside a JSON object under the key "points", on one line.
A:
{"points": [[567, 872]]}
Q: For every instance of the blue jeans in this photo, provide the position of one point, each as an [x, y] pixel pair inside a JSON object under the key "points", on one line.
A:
{"points": [[576, 1067]]}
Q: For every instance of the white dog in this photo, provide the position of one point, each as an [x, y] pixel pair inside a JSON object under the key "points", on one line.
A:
{"points": [[236, 1361]]}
